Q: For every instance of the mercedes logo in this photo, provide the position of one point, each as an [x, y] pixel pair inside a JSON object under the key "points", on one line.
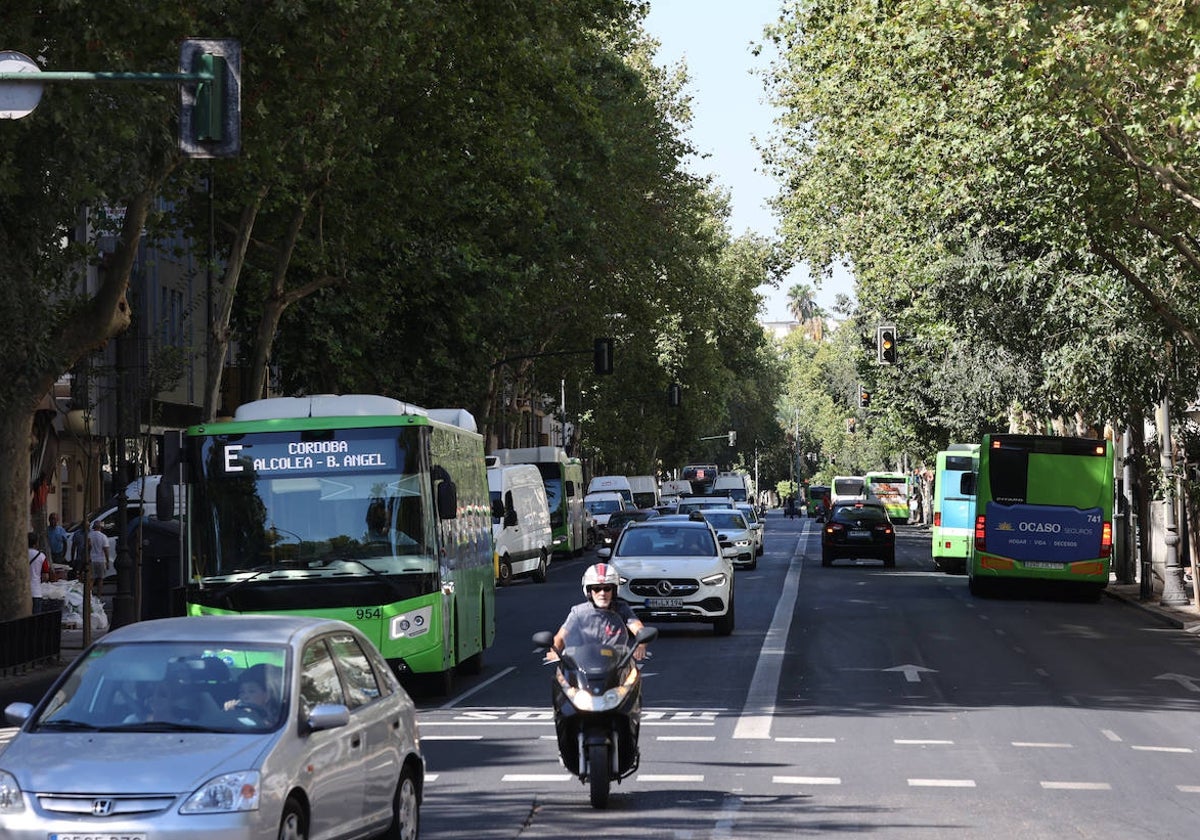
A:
{"points": [[664, 587]]}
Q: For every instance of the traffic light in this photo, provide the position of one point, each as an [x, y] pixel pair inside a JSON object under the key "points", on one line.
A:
{"points": [[210, 113], [602, 356], [733, 438], [885, 344], [864, 397], [674, 395]]}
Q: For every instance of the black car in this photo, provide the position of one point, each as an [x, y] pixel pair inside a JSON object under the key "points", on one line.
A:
{"points": [[858, 530], [608, 533]]}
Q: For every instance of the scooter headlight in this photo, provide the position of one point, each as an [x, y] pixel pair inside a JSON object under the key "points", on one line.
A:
{"points": [[606, 702]]}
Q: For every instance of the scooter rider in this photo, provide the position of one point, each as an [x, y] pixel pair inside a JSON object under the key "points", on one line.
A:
{"points": [[602, 618]]}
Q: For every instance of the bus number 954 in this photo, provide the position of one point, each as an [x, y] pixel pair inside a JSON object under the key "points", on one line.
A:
{"points": [[367, 613]]}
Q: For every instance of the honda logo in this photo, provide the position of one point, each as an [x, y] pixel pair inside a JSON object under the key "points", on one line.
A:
{"points": [[101, 807]]}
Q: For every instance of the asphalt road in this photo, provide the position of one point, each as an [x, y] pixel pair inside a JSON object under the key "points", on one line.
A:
{"points": [[850, 700]]}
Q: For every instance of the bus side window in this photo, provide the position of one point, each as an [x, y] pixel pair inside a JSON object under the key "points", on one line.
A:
{"points": [[966, 485], [446, 493]]}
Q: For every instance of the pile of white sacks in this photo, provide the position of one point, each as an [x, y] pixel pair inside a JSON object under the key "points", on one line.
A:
{"points": [[70, 592]]}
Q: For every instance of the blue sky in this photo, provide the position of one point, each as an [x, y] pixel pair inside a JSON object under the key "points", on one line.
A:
{"points": [[713, 38]]}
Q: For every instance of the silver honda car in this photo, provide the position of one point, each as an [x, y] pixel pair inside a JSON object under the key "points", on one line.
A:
{"points": [[217, 726]]}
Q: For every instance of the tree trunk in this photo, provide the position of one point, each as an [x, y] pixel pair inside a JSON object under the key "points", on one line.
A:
{"points": [[15, 430]]}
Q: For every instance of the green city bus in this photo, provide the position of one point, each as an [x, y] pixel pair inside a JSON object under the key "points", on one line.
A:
{"points": [[355, 507], [892, 489], [954, 507], [1043, 511]]}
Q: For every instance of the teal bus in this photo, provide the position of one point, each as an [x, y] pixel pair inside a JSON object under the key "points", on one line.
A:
{"points": [[954, 507], [893, 490], [562, 477], [1043, 511], [355, 507]]}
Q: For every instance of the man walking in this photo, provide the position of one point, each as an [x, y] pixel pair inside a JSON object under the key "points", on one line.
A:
{"points": [[56, 535], [98, 554]]}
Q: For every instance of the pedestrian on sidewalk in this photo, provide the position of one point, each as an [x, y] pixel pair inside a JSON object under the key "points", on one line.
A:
{"points": [[98, 554], [56, 535], [39, 568]]}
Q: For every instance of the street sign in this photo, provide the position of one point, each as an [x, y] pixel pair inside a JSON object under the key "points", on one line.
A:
{"points": [[18, 99]]}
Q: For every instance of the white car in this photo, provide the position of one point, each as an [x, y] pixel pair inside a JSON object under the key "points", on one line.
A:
{"points": [[237, 727], [733, 529], [756, 524], [675, 570]]}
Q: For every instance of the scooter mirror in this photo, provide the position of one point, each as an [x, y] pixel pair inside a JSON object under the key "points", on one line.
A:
{"points": [[646, 635], [545, 639]]}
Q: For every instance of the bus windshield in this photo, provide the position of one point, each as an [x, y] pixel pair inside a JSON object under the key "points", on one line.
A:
{"points": [[344, 503]]}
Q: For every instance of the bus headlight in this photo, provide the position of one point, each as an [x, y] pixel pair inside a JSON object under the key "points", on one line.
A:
{"points": [[410, 625]]}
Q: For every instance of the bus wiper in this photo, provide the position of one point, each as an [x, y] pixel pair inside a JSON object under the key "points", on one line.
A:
{"points": [[334, 558]]}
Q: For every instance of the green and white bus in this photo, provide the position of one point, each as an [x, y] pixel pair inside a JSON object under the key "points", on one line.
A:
{"points": [[1043, 511], [356, 507], [893, 490], [954, 507]]}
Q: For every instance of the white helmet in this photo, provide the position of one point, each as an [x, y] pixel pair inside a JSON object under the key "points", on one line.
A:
{"points": [[599, 574]]}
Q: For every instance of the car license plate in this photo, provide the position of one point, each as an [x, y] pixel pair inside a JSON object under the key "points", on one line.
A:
{"points": [[858, 536], [91, 835], [1039, 564], [660, 603]]}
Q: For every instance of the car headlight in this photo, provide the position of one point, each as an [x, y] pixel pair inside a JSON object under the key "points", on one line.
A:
{"points": [[714, 580], [11, 800], [225, 794], [742, 543]]}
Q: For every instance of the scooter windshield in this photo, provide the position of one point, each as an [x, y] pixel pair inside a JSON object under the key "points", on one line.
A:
{"points": [[597, 661]]}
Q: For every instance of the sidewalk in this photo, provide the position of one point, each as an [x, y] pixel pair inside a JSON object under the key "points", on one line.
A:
{"points": [[1185, 616]]}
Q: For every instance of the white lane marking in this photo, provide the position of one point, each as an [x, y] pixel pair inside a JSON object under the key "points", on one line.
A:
{"points": [[669, 777], [784, 740], [431, 777], [1076, 786], [705, 738], [946, 783], [759, 709], [536, 777], [1110, 735], [913, 742], [1185, 750], [451, 703], [1188, 788], [806, 780], [1046, 745]]}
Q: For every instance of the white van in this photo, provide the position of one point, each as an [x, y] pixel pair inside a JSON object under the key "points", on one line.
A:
{"points": [[612, 484], [603, 505], [521, 537], [735, 485], [644, 489]]}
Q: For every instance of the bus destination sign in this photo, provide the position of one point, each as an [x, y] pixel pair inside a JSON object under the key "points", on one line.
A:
{"points": [[277, 457]]}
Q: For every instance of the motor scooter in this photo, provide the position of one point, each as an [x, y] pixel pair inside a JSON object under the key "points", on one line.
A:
{"points": [[597, 697]]}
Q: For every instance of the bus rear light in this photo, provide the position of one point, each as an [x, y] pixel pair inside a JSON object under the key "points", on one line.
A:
{"points": [[980, 530], [937, 519], [1106, 540]]}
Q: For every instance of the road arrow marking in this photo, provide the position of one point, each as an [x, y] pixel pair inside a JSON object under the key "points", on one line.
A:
{"points": [[912, 673], [1183, 679]]}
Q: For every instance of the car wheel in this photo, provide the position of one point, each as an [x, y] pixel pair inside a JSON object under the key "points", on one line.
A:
{"points": [[723, 626], [294, 824], [890, 560], [506, 573], [406, 809], [539, 574], [826, 559]]}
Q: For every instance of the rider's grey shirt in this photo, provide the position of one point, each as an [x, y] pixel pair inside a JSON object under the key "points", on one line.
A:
{"points": [[587, 625]]}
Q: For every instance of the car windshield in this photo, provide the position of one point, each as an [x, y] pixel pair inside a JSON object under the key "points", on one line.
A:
{"points": [[186, 686], [603, 506], [665, 541], [721, 519], [859, 513]]}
